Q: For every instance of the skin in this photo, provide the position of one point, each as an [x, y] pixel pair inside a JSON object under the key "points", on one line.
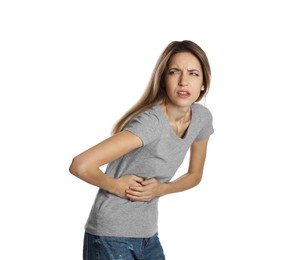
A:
{"points": [[184, 74]]}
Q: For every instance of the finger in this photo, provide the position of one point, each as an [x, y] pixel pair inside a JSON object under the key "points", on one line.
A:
{"points": [[133, 193], [137, 194], [137, 188], [148, 181], [137, 178], [136, 198], [133, 197]]}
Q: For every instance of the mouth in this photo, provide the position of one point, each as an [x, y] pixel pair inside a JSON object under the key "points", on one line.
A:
{"points": [[183, 94]]}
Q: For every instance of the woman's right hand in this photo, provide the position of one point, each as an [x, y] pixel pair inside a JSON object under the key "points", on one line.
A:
{"points": [[123, 183]]}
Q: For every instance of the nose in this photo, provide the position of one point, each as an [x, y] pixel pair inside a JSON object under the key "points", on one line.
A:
{"points": [[183, 80]]}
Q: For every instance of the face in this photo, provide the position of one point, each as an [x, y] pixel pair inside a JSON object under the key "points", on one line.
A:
{"points": [[183, 79]]}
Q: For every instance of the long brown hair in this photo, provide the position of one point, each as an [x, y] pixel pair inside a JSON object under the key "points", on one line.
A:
{"points": [[155, 92]]}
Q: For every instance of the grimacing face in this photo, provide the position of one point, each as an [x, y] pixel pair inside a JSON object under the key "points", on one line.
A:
{"points": [[183, 79]]}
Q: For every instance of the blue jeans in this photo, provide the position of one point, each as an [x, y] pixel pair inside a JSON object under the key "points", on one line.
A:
{"points": [[122, 248]]}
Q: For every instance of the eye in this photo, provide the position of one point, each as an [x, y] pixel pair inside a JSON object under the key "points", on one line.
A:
{"points": [[194, 74], [173, 72]]}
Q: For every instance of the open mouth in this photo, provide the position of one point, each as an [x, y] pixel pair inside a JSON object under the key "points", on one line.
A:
{"points": [[183, 94]]}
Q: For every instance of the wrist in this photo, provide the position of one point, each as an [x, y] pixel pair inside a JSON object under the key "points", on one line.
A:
{"points": [[116, 187], [112, 186], [164, 189]]}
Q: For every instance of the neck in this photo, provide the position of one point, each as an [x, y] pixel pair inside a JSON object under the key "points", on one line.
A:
{"points": [[177, 115]]}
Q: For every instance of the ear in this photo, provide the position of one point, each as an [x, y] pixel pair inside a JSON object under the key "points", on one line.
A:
{"points": [[203, 88]]}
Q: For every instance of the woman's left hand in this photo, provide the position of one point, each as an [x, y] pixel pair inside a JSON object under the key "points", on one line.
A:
{"points": [[150, 189]]}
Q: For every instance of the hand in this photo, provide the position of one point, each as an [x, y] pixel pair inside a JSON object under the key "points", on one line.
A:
{"points": [[124, 183], [148, 190]]}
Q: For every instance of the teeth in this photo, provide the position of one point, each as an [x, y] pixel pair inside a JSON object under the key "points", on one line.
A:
{"points": [[184, 93]]}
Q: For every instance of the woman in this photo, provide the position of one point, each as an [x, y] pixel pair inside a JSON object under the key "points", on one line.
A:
{"points": [[147, 146]]}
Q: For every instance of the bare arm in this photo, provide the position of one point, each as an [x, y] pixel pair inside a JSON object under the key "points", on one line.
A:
{"points": [[153, 188], [196, 167], [86, 165]]}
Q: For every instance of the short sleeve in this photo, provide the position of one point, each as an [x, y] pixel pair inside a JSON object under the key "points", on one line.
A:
{"points": [[146, 126], [207, 125]]}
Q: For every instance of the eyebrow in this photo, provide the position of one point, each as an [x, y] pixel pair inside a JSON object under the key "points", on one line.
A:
{"points": [[190, 70], [173, 68]]}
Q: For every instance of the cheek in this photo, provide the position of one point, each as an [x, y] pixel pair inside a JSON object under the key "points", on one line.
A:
{"points": [[167, 85], [170, 82], [169, 89], [198, 93], [198, 90]]}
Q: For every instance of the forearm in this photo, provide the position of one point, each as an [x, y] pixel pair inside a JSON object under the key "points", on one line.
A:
{"points": [[195, 170], [95, 177], [86, 165], [152, 188], [184, 182]]}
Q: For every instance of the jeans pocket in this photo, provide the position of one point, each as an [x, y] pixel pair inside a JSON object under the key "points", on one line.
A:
{"points": [[91, 247]]}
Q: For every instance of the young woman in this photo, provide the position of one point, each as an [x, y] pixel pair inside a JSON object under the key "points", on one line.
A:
{"points": [[146, 148]]}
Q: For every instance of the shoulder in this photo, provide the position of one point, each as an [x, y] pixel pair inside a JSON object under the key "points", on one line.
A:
{"points": [[150, 115], [146, 125], [154, 110], [202, 111], [203, 121]]}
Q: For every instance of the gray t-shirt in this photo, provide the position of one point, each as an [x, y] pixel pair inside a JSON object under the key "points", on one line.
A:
{"points": [[160, 157]]}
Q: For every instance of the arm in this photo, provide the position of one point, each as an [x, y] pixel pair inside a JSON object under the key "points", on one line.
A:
{"points": [[86, 165], [153, 188], [196, 167]]}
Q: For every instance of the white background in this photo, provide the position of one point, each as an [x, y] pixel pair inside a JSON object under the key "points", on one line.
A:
{"points": [[70, 69]]}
